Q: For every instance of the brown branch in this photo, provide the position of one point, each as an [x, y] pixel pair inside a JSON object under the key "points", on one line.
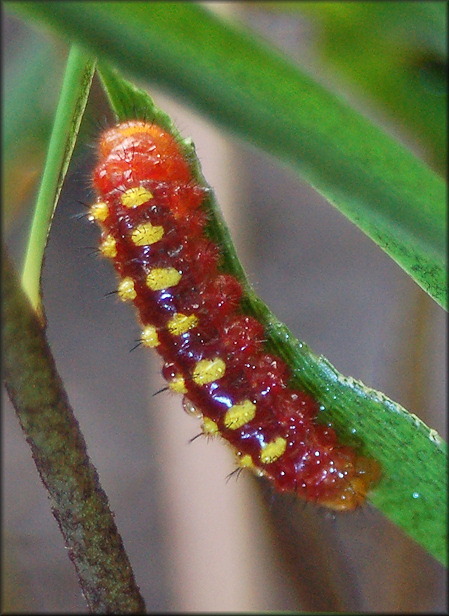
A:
{"points": [[79, 504]]}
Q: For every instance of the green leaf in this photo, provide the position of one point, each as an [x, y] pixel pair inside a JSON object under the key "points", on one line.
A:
{"points": [[72, 102], [26, 77], [396, 53], [30, 75], [415, 499], [251, 89]]}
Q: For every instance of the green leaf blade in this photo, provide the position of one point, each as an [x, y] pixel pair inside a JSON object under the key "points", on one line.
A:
{"points": [[72, 102], [247, 86], [394, 53], [410, 494]]}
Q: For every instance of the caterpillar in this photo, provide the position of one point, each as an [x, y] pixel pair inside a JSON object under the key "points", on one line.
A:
{"points": [[149, 209]]}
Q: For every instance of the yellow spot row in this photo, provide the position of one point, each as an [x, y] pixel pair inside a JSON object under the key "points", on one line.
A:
{"points": [[209, 370], [269, 453], [156, 280], [178, 325], [143, 235], [133, 197], [205, 371]]}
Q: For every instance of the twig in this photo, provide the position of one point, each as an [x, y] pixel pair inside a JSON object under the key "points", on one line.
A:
{"points": [[79, 504]]}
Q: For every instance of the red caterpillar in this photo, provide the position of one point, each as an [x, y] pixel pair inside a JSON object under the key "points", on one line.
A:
{"points": [[153, 231]]}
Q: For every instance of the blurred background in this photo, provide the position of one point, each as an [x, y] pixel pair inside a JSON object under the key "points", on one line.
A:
{"points": [[196, 541]]}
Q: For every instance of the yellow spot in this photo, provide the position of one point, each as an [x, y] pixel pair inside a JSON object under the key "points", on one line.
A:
{"points": [[177, 384], [126, 290], [146, 234], [208, 370], [272, 451], [108, 247], [209, 426], [163, 278], [134, 197], [245, 461], [149, 336], [181, 323], [239, 414], [99, 211]]}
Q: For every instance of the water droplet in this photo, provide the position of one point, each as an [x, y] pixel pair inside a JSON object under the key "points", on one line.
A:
{"points": [[190, 408]]}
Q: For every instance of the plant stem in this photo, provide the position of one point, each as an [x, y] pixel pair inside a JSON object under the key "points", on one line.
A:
{"points": [[78, 502], [72, 102]]}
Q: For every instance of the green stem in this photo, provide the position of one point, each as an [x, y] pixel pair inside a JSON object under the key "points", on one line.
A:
{"points": [[72, 102], [79, 504]]}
